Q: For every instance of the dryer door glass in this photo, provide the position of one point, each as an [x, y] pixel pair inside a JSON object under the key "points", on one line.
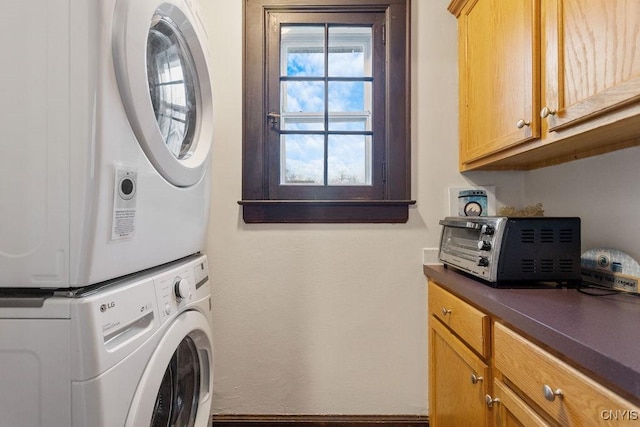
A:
{"points": [[172, 85], [161, 62], [177, 400]]}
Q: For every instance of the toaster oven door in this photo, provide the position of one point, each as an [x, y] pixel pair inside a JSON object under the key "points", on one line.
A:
{"points": [[470, 245], [461, 241]]}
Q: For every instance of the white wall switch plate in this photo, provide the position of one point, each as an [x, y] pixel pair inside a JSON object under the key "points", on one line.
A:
{"points": [[430, 256]]}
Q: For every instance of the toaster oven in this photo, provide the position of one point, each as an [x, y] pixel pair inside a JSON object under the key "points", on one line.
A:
{"points": [[509, 251]]}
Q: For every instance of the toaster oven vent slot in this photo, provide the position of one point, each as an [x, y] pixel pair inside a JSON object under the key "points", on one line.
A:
{"points": [[565, 235], [565, 265], [528, 266], [546, 265], [546, 235], [528, 236]]}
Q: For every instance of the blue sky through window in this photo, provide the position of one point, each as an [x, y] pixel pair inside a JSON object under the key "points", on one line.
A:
{"points": [[303, 104]]}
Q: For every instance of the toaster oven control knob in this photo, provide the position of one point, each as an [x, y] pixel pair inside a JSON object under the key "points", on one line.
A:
{"points": [[484, 245], [483, 261], [487, 229]]}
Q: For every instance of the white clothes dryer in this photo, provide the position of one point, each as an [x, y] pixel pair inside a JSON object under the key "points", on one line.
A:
{"points": [[136, 353], [106, 138]]}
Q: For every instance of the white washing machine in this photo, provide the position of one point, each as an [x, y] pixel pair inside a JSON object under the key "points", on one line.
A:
{"points": [[106, 119], [138, 352]]}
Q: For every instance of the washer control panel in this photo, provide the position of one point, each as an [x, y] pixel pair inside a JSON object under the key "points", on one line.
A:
{"points": [[180, 286]]}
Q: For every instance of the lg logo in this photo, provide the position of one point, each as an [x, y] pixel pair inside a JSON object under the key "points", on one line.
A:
{"points": [[107, 306]]}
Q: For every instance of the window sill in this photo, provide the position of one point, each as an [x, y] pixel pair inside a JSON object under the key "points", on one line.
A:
{"points": [[325, 211]]}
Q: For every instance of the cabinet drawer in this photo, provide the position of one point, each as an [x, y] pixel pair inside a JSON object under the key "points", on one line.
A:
{"points": [[580, 400], [466, 321]]}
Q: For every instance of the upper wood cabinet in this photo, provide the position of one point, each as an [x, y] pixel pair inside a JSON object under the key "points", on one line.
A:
{"points": [[546, 81], [592, 58], [499, 71]]}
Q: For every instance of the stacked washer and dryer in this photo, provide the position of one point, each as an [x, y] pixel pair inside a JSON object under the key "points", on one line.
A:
{"points": [[105, 301]]}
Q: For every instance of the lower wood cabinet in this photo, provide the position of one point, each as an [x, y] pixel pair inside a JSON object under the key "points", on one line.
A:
{"points": [[510, 410], [458, 374], [458, 381], [483, 373], [560, 392]]}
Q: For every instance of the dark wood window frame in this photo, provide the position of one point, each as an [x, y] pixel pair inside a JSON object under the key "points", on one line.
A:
{"points": [[393, 204]]}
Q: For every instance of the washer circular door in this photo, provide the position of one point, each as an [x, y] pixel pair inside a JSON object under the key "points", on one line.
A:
{"points": [[161, 65], [176, 387]]}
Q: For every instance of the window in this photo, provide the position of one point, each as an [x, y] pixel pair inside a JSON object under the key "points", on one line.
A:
{"points": [[326, 111]]}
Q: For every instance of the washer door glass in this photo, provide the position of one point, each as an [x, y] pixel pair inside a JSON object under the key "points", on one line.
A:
{"points": [[177, 400], [173, 84]]}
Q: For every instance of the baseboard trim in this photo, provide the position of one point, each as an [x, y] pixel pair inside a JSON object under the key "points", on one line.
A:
{"points": [[320, 420]]}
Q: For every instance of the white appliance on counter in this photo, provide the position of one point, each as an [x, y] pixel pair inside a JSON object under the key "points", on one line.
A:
{"points": [[138, 352], [106, 119]]}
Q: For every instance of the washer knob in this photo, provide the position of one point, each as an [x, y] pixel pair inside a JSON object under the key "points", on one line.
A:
{"points": [[182, 289]]}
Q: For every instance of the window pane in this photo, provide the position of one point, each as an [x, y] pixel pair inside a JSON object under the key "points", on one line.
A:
{"points": [[349, 160], [302, 51], [350, 51], [302, 160], [350, 106], [302, 97]]}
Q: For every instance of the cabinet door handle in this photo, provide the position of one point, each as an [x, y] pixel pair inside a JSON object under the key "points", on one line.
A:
{"points": [[546, 112], [445, 311], [522, 123], [550, 394], [476, 379], [490, 400]]}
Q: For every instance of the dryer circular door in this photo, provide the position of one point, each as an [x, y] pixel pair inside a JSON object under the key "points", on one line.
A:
{"points": [[176, 386], [161, 65]]}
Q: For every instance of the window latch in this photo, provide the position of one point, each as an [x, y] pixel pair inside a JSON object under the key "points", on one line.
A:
{"points": [[274, 119]]}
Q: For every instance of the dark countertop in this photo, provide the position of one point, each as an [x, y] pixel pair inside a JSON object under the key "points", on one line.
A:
{"points": [[600, 335]]}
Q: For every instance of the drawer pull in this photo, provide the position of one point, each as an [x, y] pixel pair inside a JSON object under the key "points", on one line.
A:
{"points": [[490, 400], [550, 394], [546, 112], [445, 311], [476, 379]]}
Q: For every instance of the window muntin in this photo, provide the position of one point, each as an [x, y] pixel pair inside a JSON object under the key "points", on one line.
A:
{"points": [[173, 84], [326, 105]]}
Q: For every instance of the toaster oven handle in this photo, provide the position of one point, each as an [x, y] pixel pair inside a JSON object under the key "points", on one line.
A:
{"points": [[460, 224]]}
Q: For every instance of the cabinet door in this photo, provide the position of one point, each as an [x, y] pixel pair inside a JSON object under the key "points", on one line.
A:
{"points": [[499, 76], [591, 58], [511, 411], [457, 381]]}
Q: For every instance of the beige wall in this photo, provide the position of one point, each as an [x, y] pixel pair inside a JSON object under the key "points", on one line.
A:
{"points": [[604, 191], [331, 319]]}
